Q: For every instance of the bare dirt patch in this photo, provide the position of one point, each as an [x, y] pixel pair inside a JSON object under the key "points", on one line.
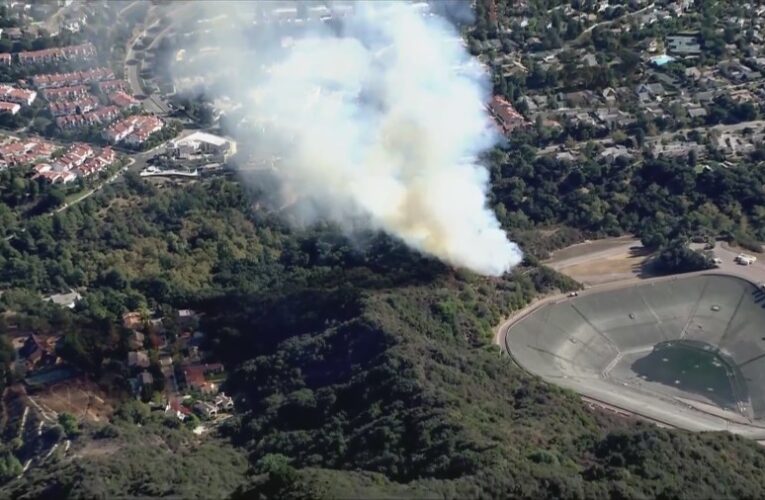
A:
{"points": [[592, 247], [615, 266], [99, 448], [602, 261], [79, 397]]}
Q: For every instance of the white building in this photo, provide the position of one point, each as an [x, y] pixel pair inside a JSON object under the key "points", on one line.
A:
{"points": [[9, 107], [65, 299], [201, 143], [745, 259]]}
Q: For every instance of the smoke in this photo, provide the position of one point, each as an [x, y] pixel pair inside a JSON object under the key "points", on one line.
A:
{"points": [[376, 119]]}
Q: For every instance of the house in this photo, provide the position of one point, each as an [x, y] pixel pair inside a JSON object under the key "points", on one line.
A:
{"points": [[145, 379], [70, 53], [741, 95], [138, 359], [16, 95], [133, 130], [648, 18], [705, 97], [118, 131], [64, 299], [73, 78], [650, 91], [123, 100], [69, 92], [581, 118], [108, 86], [57, 177], [176, 409], [677, 149], [579, 99], [732, 144], [531, 106], [9, 107], [223, 402], [613, 153], [609, 96], [666, 78], [144, 128], [693, 73], [136, 340], [38, 351], [697, 112], [590, 60], [507, 117], [201, 143], [73, 107], [684, 44], [187, 318], [15, 152], [70, 122], [614, 117], [194, 376], [106, 157], [541, 100], [565, 157], [132, 320], [73, 157], [100, 116], [205, 409]]}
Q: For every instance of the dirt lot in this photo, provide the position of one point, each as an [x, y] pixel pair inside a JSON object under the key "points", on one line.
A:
{"points": [[81, 398], [601, 261]]}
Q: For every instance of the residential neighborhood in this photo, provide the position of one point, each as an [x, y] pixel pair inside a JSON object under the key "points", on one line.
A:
{"points": [[174, 367], [687, 91]]}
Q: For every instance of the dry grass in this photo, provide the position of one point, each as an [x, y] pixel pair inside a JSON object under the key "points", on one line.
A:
{"points": [[81, 398], [617, 266]]}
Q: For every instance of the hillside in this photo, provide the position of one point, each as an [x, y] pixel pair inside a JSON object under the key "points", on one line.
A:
{"points": [[359, 367], [396, 393]]}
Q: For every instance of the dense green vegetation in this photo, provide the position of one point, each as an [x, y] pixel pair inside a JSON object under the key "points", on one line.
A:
{"points": [[658, 199], [158, 459], [359, 368]]}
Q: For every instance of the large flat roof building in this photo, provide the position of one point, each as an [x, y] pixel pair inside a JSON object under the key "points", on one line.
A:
{"points": [[685, 44], [201, 143]]}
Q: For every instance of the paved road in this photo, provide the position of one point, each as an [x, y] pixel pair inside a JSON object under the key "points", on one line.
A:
{"points": [[128, 7], [153, 101], [736, 127], [96, 189], [131, 70], [584, 33]]}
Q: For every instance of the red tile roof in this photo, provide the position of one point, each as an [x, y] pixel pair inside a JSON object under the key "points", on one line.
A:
{"points": [[64, 92], [83, 51], [507, 117], [73, 78]]}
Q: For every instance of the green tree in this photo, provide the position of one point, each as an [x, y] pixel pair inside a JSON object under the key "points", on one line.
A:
{"points": [[69, 424], [10, 467]]}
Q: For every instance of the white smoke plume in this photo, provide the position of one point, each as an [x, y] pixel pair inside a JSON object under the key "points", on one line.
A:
{"points": [[382, 121]]}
